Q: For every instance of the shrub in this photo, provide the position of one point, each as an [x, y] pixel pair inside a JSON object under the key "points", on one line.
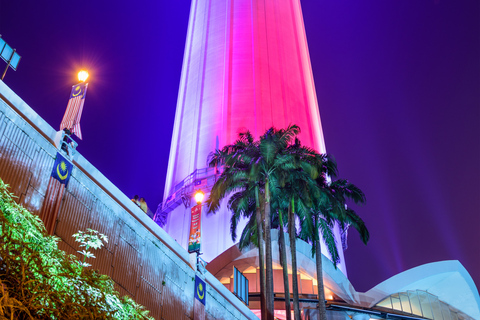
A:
{"points": [[40, 281]]}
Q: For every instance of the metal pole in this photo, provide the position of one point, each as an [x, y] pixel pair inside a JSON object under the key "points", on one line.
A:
{"points": [[8, 64], [6, 68]]}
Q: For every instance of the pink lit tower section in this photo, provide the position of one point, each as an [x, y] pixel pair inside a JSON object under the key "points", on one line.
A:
{"points": [[246, 66]]}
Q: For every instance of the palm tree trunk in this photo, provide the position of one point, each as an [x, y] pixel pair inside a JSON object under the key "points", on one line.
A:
{"points": [[322, 312], [293, 249], [268, 256], [283, 260], [261, 257]]}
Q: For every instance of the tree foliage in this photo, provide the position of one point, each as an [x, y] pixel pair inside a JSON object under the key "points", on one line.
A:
{"points": [[40, 281]]}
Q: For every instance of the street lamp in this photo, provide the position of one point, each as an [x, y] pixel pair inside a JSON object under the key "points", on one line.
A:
{"points": [[199, 195], [82, 76]]}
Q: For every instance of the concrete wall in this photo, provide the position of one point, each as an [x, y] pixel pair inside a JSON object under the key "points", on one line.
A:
{"points": [[141, 258]]}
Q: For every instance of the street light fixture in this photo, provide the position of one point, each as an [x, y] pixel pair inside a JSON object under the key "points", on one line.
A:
{"points": [[82, 75], [199, 195]]}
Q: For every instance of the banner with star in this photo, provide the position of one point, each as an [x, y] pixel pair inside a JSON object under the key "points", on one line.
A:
{"points": [[73, 114], [62, 169], [200, 289], [61, 173]]}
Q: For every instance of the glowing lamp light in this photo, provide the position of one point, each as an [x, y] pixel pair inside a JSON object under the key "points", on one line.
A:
{"points": [[82, 75], [199, 195]]}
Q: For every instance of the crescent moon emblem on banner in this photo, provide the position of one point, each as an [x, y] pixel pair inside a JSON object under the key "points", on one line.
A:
{"points": [[62, 177], [200, 288], [78, 91]]}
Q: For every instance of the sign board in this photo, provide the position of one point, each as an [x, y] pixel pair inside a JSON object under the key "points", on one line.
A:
{"points": [[9, 55], [195, 229]]}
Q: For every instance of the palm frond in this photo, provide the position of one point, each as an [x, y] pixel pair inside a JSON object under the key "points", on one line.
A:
{"points": [[356, 222], [326, 229]]}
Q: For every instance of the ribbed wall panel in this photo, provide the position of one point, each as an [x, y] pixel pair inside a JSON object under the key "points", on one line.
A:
{"points": [[131, 237], [127, 260], [208, 316], [122, 291], [79, 191], [176, 273], [154, 272], [212, 309], [14, 168], [216, 307], [74, 216], [150, 297], [173, 297], [18, 137], [32, 200], [103, 261], [62, 245], [105, 221], [41, 170], [16, 150]]}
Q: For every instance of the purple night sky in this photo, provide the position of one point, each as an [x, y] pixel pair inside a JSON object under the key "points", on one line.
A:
{"points": [[398, 85]]}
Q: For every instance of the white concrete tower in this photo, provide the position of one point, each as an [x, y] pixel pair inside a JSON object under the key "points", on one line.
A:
{"points": [[246, 66]]}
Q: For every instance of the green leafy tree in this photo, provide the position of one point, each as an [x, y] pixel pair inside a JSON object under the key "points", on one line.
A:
{"points": [[89, 239], [39, 281]]}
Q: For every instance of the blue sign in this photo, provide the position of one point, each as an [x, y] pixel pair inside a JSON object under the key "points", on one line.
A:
{"points": [[62, 169], [200, 289]]}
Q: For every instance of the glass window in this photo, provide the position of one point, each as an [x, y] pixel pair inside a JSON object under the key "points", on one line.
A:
{"points": [[415, 303], [385, 303], [420, 303], [446, 311], [425, 304], [405, 302], [396, 302], [436, 308]]}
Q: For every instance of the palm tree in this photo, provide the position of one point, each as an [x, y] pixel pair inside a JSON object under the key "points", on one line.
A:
{"points": [[283, 260], [234, 177], [296, 170], [254, 166], [331, 208]]}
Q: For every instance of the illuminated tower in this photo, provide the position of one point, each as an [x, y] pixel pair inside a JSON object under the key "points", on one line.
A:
{"points": [[246, 66]]}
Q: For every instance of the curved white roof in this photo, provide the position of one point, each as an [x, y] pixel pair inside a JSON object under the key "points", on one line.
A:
{"points": [[448, 280]]}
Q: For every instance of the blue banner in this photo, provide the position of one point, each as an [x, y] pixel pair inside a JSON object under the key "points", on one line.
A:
{"points": [[62, 169], [200, 289], [78, 90]]}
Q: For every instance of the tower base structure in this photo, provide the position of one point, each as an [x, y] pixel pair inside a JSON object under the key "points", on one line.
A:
{"points": [[440, 290]]}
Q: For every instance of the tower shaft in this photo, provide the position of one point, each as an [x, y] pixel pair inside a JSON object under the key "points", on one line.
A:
{"points": [[246, 66]]}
